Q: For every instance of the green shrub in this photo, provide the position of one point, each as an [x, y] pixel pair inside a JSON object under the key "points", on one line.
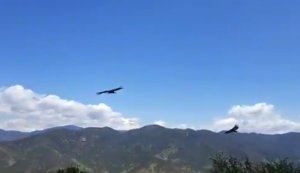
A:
{"points": [[229, 164], [71, 169]]}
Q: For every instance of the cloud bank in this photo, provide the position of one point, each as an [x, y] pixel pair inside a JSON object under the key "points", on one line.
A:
{"points": [[22, 109], [259, 118]]}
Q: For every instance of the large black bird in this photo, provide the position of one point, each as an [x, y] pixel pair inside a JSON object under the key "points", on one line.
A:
{"points": [[112, 91], [233, 129]]}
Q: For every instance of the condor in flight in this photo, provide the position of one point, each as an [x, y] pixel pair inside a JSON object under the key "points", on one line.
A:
{"points": [[112, 91], [233, 129]]}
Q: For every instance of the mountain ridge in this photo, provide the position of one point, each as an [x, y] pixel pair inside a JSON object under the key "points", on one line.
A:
{"points": [[139, 150]]}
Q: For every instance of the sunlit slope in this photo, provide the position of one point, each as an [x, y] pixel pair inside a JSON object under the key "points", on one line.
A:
{"points": [[148, 149]]}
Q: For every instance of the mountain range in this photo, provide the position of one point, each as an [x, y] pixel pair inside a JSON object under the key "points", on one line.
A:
{"points": [[150, 149], [11, 135]]}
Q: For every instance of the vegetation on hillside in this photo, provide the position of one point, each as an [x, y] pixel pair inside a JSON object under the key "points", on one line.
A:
{"points": [[229, 164], [71, 169], [150, 149]]}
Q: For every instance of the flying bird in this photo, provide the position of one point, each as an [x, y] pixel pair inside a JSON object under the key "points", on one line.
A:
{"points": [[234, 129], [112, 91]]}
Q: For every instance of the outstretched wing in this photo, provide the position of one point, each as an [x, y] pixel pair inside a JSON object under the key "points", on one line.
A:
{"points": [[228, 131], [235, 127], [101, 92], [116, 89], [109, 91]]}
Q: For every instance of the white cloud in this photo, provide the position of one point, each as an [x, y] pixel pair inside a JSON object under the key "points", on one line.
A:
{"points": [[23, 109], [180, 126], [184, 126], [160, 122], [259, 118]]}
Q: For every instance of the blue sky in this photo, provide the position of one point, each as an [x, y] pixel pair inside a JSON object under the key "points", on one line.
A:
{"points": [[179, 61]]}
